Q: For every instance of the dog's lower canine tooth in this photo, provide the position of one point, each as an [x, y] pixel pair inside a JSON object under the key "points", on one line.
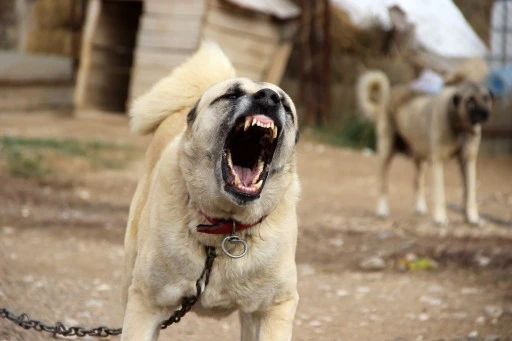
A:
{"points": [[257, 185]]}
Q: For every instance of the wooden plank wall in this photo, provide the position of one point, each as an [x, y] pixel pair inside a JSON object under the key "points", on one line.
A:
{"points": [[170, 31], [251, 42]]}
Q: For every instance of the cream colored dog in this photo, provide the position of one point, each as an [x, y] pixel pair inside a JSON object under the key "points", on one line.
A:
{"points": [[428, 128], [223, 149]]}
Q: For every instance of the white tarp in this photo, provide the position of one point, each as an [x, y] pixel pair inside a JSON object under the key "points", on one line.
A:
{"points": [[440, 26]]}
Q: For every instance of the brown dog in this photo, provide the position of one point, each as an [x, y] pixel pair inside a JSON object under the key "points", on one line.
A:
{"points": [[428, 128], [221, 165]]}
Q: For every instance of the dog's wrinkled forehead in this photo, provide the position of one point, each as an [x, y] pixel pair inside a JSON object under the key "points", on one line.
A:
{"points": [[475, 92], [240, 86]]}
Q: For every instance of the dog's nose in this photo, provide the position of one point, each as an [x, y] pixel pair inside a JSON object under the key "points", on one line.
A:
{"points": [[266, 97]]}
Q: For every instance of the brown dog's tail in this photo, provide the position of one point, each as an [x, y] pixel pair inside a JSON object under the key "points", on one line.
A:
{"points": [[181, 89], [373, 91]]}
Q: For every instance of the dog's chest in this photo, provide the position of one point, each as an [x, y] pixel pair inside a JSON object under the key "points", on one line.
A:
{"points": [[239, 287]]}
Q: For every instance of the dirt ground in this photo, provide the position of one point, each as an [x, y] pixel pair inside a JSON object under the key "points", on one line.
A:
{"points": [[61, 247]]}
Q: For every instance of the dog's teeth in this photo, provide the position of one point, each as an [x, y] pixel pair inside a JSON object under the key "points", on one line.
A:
{"points": [[274, 132], [261, 164], [257, 185], [230, 161], [254, 122], [237, 180], [247, 123]]}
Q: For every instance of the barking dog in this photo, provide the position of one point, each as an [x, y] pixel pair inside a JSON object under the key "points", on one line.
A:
{"points": [[428, 128], [223, 149]]}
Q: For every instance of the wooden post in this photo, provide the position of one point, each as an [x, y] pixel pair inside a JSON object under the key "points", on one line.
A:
{"points": [[326, 65], [91, 21]]}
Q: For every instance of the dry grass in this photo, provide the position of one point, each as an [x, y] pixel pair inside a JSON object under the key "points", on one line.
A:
{"points": [[52, 160]]}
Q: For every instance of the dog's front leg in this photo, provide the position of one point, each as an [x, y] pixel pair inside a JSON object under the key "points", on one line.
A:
{"points": [[141, 320], [440, 216], [272, 324], [468, 170], [419, 186]]}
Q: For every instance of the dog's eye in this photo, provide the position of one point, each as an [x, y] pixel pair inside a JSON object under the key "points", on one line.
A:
{"points": [[232, 96]]}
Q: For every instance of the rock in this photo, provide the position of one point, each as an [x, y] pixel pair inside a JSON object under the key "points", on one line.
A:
{"points": [[367, 152], [494, 311], [315, 323], [460, 315], [423, 317], [306, 270], [93, 304], [373, 264], [8, 230], [342, 293], [70, 322], [362, 290], [480, 320], [473, 336], [25, 212], [492, 338], [103, 287], [469, 291], [338, 242], [411, 257], [482, 261], [431, 300], [28, 279]]}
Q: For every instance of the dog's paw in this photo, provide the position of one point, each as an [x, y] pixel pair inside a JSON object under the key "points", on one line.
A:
{"points": [[441, 221], [475, 221], [382, 208], [421, 208]]}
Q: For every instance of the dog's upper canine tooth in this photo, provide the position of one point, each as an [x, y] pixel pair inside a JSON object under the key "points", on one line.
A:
{"points": [[247, 123], [274, 132], [230, 161]]}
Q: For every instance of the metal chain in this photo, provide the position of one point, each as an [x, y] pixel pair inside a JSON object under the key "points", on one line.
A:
{"points": [[24, 321]]}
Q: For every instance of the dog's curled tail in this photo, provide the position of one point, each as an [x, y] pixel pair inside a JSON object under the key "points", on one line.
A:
{"points": [[181, 89], [373, 91]]}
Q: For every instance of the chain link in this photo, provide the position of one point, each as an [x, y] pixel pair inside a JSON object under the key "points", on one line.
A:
{"points": [[24, 321]]}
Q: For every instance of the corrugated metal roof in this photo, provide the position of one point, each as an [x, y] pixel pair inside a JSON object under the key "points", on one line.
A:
{"points": [[281, 9]]}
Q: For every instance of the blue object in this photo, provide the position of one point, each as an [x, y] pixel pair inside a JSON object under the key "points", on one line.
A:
{"points": [[499, 80]]}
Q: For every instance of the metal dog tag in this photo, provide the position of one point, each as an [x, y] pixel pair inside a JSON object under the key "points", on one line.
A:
{"points": [[233, 239]]}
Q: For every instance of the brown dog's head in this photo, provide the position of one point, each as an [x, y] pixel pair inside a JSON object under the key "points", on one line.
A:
{"points": [[239, 147], [472, 105]]}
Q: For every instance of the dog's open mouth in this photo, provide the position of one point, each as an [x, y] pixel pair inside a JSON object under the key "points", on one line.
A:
{"points": [[248, 152]]}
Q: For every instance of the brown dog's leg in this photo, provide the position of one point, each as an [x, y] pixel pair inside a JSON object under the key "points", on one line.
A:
{"points": [[419, 186], [273, 324], [467, 162], [141, 321], [385, 151], [440, 216]]}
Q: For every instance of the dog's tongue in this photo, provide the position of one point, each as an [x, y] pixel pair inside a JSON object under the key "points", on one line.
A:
{"points": [[246, 175]]}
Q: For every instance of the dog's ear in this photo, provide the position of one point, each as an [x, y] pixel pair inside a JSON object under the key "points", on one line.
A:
{"points": [[456, 99], [191, 117]]}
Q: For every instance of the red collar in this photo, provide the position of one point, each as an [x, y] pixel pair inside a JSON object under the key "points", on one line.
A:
{"points": [[222, 226]]}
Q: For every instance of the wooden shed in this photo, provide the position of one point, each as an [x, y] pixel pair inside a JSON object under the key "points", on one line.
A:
{"points": [[125, 52]]}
